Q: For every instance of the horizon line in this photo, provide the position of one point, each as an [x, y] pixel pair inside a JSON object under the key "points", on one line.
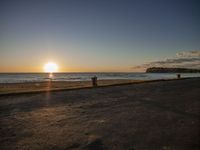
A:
{"points": [[81, 72]]}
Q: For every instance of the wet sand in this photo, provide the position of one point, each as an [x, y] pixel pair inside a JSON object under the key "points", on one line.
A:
{"points": [[146, 116], [34, 87]]}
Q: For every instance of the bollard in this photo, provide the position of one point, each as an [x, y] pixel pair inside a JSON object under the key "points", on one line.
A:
{"points": [[178, 76], [94, 81]]}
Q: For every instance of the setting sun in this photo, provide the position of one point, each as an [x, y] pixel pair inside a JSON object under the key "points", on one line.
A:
{"points": [[51, 67]]}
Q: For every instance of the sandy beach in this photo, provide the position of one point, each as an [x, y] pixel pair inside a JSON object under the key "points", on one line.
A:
{"points": [[35, 87], [162, 115]]}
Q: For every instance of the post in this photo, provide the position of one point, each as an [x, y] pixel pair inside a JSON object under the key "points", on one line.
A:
{"points": [[178, 76], [94, 81]]}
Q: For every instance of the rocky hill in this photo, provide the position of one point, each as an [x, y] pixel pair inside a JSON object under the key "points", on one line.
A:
{"points": [[171, 70]]}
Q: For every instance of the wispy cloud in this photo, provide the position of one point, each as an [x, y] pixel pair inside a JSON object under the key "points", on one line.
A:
{"points": [[186, 59], [187, 54]]}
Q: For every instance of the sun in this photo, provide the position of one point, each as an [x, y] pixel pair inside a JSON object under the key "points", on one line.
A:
{"points": [[50, 67]]}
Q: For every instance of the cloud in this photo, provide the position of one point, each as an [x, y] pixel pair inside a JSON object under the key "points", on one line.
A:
{"points": [[188, 54], [186, 59]]}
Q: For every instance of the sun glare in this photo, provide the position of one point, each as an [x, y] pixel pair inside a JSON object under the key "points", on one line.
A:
{"points": [[51, 67]]}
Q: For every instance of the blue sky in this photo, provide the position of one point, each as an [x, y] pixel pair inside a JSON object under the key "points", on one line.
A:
{"points": [[91, 35]]}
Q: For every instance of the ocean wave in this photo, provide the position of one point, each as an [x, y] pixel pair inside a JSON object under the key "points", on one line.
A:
{"points": [[39, 77]]}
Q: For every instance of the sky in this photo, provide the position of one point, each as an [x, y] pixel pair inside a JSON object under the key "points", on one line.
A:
{"points": [[99, 35]]}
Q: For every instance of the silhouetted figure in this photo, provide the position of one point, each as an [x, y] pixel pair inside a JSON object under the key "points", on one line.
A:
{"points": [[178, 76], [94, 81]]}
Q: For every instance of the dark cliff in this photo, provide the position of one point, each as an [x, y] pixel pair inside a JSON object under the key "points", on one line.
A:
{"points": [[171, 70]]}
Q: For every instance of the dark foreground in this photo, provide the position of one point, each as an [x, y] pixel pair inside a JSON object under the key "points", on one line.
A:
{"points": [[146, 116]]}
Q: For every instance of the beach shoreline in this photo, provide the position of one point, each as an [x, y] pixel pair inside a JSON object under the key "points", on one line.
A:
{"points": [[52, 86]]}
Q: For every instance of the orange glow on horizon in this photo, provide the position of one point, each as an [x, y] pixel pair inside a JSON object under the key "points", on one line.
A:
{"points": [[64, 68]]}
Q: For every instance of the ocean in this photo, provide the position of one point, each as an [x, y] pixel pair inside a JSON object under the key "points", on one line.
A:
{"points": [[39, 77]]}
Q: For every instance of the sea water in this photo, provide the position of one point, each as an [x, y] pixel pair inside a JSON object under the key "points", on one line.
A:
{"points": [[39, 77]]}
